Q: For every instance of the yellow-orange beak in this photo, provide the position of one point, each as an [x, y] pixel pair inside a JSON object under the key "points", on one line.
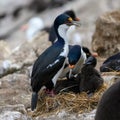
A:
{"points": [[95, 54], [77, 19], [71, 66], [73, 22]]}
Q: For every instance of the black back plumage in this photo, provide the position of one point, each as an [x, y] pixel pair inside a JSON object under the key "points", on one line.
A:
{"points": [[109, 105], [40, 67], [111, 64]]}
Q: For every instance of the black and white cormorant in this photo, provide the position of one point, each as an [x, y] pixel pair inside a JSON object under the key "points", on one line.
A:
{"points": [[76, 58], [111, 64], [52, 33], [109, 106], [49, 65], [90, 78]]}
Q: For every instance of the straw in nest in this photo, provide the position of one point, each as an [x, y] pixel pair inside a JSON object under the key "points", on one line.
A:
{"points": [[70, 102]]}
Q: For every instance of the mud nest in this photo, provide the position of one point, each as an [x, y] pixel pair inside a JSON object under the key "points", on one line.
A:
{"points": [[70, 102]]}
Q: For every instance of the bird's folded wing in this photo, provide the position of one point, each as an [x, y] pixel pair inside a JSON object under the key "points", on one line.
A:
{"points": [[55, 66]]}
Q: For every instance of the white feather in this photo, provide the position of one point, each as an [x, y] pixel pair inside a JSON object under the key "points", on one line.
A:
{"points": [[73, 36], [62, 30], [34, 26], [50, 65], [54, 79]]}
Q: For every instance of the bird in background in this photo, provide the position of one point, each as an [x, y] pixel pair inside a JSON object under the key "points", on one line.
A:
{"points": [[32, 28], [111, 64], [53, 36], [49, 65]]}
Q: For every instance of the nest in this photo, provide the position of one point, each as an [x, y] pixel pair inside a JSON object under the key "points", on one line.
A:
{"points": [[115, 73], [70, 102]]}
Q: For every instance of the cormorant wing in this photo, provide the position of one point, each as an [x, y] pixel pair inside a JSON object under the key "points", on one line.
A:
{"points": [[46, 58], [112, 58], [50, 70], [55, 66]]}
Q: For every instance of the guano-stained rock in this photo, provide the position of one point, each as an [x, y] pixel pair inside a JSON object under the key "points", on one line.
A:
{"points": [[106, 39]]}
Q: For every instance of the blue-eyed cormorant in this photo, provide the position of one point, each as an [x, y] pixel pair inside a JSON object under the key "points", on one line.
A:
{"points": [[76, 58], [50, 63]]}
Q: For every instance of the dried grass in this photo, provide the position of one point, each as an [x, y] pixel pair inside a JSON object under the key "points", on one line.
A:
{"points": [[115, 73], [70, 102]]}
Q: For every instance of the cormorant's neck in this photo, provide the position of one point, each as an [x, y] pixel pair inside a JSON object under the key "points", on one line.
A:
{"points": [[62, 33]]}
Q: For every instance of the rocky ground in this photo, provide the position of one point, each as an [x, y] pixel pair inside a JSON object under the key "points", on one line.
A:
{"points": [[15, 90], [18, 56]]}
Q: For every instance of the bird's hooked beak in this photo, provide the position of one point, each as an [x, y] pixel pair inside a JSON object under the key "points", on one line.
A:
{"points": [[71, 66], [95, 54], [76, 23], [72, 22], [77, 19]]}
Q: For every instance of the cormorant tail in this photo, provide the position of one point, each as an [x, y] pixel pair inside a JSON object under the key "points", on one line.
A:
{"points": [[34, 100]]}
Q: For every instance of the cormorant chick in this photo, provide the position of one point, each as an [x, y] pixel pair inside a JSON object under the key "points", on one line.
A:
{"points": [[90, 77]]}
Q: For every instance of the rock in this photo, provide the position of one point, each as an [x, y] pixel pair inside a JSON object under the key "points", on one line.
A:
{"points": [[5, 50], [13, 112], [15, 89], [13, 115], [4, 54], [15, 78], [40, 43], [39, 6], [24, 55], [88, 116], [27, 52], [18, 107], [63, 115], [106, 39]]}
